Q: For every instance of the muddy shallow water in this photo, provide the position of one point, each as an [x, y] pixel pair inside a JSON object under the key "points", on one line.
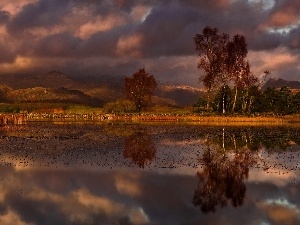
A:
{"points": [[149, 174]]}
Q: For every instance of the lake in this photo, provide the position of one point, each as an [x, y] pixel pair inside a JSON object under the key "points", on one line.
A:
{"points": [[162, 174]]}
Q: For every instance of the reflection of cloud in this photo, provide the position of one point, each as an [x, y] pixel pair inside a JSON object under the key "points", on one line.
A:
{"points": [[281, 211], [10, 218], [128, 185], [138, 216], [98, 204], [279, 177]]}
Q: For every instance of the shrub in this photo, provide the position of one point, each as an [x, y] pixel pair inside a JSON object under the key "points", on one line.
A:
{"points": [[119, 106]]}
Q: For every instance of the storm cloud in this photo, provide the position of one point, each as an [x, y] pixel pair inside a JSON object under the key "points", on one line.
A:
{"points": [[118, 37]]}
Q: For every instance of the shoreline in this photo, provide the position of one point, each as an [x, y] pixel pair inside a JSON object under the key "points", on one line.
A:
{"points": [[18, 119]]}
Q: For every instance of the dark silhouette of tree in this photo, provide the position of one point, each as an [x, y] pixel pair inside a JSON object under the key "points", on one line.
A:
{"points": [[224, 60], [296, 103], [211, 48], [237, 67], [222, 99], [140, 148], [278, 101], [140, 88]]}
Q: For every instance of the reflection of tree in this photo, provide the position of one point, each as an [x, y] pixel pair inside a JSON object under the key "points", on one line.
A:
{"points": [[140, 148], [222, 178], [254, 138]]}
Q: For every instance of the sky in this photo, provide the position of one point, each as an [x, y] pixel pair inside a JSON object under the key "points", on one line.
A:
{"points": [[118, 37]]}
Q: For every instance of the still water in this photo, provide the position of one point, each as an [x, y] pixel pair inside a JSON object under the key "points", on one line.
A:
{"points": [[115, 174]]}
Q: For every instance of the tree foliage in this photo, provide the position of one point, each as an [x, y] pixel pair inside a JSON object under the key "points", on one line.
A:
{"points": [[276, 101], [140, 88], [223, 60]]}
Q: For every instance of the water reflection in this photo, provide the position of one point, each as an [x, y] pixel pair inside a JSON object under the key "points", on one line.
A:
{"points": [[140, 148], [77, 174], [222, 179], [229, 154]]}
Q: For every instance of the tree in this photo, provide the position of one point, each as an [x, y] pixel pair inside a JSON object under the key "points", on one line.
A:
{"points": [[223, 61], [140, 88], [296, 103], [211, 46], [278, 101], [237, 68]]}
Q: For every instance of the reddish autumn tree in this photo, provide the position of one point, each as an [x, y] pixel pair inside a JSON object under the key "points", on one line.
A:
{"points": [[140, 88]]}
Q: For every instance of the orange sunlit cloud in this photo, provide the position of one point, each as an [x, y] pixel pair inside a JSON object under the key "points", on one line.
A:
{"points": [[129, 45], [140, 12], [286, 18], [14, 6], [99, 25], [271, 61]]}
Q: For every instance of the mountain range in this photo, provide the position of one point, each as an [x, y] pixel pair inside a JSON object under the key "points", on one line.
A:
{"points": [[279, 83], [57, 86]]}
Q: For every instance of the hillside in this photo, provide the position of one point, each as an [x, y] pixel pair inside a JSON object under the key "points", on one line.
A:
{"points": [[53, 79], [182, 95], [47, 95], [56, 86]]}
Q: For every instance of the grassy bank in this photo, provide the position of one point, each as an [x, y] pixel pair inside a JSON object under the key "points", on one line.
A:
{"points": [[188, 118], [222, 120]]}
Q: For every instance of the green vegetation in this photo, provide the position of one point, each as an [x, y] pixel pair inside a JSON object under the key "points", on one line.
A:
{"points": [[119, 107], [272, 101]]}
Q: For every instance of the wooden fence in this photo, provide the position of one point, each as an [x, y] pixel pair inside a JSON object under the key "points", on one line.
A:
{"points": [[13, 119]]}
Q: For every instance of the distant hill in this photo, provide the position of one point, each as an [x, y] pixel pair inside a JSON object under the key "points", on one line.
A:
{"points": [[182, 95], [56, 86], [52, 79], [47, 95], [279, 83]]}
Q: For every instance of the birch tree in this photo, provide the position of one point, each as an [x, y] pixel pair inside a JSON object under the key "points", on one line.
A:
{"points": [[211, 46]]}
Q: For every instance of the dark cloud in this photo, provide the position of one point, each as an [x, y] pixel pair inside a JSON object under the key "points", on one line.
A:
{"points": [[7, 55], [4, 16], [266, 41], [294, 40], [44, 13], [57, 45], [167, 31], [129, 33]]}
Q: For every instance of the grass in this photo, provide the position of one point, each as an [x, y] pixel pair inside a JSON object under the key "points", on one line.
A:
{"points": [[160, 114], [81, 109]]}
